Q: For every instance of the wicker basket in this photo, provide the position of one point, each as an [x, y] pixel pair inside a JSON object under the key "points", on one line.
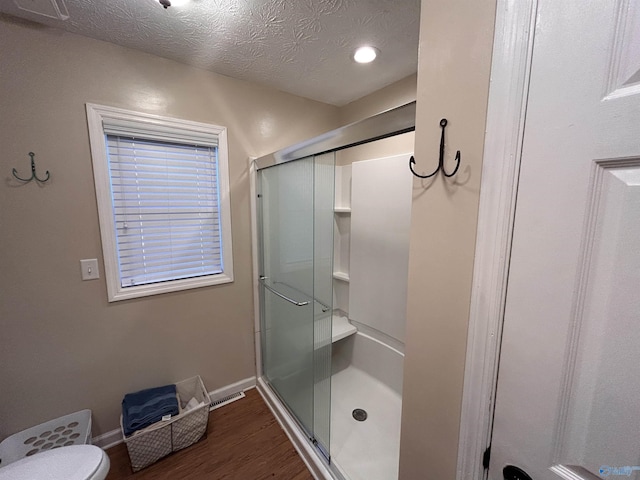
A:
{"points": [[160, 439]]}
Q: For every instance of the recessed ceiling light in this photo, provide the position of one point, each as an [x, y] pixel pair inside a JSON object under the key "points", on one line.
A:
{"points": [[365, 54]]}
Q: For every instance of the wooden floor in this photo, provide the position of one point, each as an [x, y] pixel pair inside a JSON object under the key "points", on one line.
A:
{"points": [[244, 441]]}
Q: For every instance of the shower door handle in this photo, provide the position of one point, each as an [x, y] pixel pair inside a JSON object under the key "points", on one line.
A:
{"points": [[284, 297]]}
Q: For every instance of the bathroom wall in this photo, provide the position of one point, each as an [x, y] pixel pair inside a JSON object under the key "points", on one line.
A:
{"points": [[396, 94], [63, 347], [380, 230], [456, 40]]}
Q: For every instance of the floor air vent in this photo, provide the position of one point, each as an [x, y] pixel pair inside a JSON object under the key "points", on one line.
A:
{"points": [[221, 402]]}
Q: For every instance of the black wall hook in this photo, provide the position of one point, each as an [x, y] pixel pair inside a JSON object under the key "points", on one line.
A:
{"points": [[33, 172], [412, 161]]}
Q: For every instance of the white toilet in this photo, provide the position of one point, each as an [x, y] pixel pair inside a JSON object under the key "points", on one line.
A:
{"points": [[75, 462]]}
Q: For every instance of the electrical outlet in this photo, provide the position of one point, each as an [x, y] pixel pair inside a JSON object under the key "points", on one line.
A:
{"points": [[89, 268]]}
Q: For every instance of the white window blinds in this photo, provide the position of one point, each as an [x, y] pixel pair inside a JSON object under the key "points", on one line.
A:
{"points": [[188, 135], [166, 203]]}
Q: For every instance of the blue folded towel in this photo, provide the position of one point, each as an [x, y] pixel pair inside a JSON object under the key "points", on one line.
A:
{"points": [[141, 409]]}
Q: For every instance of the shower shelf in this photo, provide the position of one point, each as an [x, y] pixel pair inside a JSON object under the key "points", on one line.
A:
{"points": [[341, 237], [341, 276], [341, 328]]}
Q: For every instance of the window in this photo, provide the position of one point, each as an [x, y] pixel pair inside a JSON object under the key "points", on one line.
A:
{"points": [[163, 201]]}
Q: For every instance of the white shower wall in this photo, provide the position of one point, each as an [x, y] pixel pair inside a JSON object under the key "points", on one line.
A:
{"points": [[379, 243]]}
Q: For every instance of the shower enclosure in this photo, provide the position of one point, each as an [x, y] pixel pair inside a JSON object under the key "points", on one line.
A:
{"points": [[294, 216]]}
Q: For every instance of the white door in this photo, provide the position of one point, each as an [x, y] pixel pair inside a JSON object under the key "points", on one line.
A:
{"points": [[568, 399]]}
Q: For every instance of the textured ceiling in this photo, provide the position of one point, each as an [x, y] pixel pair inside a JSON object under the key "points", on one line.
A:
{"points": [[299, 46]]}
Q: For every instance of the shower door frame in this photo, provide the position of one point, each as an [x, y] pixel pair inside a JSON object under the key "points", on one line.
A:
{"points": [[387, 124]]}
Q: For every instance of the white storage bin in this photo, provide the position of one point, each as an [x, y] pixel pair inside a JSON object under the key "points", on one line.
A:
{"points": [[72, 429]]}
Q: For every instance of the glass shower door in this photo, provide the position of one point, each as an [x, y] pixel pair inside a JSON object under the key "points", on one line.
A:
{"points": [[296, 247]]}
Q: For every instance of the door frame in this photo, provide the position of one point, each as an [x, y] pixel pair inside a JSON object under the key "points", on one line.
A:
{"points": [[505, 125]]}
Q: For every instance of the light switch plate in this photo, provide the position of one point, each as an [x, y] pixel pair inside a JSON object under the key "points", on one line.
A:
{"points": [[89, 268]]}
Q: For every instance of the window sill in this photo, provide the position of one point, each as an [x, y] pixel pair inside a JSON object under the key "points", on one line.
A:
{"points": [[126, 293]]}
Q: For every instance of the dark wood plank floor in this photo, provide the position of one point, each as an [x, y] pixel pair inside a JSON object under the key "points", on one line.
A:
{"points": [[244, 441]]}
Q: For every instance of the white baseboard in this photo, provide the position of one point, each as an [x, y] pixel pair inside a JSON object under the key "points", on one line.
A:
{"points": [[114, 437], [108, 440], [318, 469], [236, 387]]}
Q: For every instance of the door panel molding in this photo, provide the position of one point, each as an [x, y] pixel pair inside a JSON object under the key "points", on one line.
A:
{"points": [[624, 71], [510, 70], [604, 256]]}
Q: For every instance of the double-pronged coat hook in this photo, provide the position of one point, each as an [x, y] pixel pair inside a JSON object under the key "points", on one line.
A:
{"points": [[33, 172], [412, 161]]}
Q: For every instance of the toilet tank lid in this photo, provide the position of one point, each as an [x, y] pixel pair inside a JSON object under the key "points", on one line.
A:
{"points": [[77, 462]]}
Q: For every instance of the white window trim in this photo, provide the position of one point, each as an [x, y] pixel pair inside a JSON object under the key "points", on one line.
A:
{"points": [[95, 116]]}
